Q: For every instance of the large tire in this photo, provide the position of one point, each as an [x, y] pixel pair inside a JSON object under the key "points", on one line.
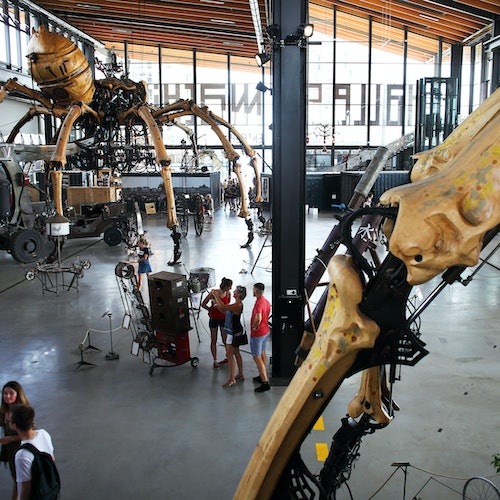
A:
{"points": [[124, 270], [198, 223], [27, 246], [184, 224], [113, 236]]}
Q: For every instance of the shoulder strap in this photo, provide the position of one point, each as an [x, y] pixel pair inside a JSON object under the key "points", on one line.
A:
{"points": [[31, 447], [243, 323], [34, 449]]}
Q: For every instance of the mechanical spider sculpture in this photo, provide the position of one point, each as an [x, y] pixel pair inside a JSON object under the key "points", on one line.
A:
{"points": [[108, 111], [439, 222]]}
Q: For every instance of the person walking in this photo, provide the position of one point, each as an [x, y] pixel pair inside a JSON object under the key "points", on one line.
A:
{"points": [[143, 256], [233, 325], [259, 333], [217, 317], [22, 420], [12, 394]]}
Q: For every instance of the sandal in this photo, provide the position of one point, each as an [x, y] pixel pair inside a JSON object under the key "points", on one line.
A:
{"points": [[229, 383], [240, 377]]}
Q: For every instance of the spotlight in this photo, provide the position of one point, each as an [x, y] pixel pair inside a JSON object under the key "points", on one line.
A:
{"points": [[262, 58], [263, 88], [273, 30], [306, 30]]}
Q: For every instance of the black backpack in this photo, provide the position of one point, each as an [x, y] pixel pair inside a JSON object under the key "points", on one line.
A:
{"points": [[45, 482]]}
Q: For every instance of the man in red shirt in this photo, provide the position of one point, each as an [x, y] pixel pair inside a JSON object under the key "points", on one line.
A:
{"points": [[259, 333]]}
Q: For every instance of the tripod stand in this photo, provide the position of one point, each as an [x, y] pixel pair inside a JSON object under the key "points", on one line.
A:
{"points": [[111, 354], [260, 252]]}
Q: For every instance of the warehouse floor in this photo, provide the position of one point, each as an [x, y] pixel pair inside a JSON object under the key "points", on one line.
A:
{"points": [[120, 433]]}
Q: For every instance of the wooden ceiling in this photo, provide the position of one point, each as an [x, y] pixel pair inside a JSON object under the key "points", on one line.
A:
{"points": [[226, 26]]}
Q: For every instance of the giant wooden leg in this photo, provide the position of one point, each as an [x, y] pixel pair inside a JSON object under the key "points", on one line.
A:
{"points": [[56, 177], [172, 214], [244, 212], [58, 158], [164, 160], [258, 185], [342, 333]]}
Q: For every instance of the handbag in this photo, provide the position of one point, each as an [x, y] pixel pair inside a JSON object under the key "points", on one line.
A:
{"points": [[240, 336], [239, 339]]}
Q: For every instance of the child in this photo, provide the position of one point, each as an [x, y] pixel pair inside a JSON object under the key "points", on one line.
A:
{"points": [[209, 205], [144, 265]]}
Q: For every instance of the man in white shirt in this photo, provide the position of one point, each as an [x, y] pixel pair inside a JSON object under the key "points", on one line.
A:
{"points": [[23, 422]]}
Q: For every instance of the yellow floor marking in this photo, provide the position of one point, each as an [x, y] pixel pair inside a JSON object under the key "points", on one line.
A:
{"points": [[319, 425], [321, 451]]}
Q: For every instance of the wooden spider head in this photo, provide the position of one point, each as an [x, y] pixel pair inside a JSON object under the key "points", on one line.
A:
{"points": [[59, 67]]}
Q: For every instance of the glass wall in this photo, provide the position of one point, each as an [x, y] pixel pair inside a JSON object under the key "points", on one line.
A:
{"points": [[387, 110], [361, 83]]}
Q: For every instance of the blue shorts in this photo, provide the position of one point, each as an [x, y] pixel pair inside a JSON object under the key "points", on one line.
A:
{"points": [[258, 344]]}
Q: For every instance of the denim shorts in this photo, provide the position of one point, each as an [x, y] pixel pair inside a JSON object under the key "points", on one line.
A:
{"points": [[258, 344]]}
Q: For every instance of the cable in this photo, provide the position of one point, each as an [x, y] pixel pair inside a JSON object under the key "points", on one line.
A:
{"points": [[445, 476]]}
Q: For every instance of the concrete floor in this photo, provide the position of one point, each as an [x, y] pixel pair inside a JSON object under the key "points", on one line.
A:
{"points": [[122, 434]]}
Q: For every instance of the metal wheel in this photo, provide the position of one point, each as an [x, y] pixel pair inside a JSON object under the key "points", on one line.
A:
{"points": [[86, 264], [195, 362], [30, 275], [198, 223], [182, 215], [124, 270], [198, 214], [480, 488], [113, 236], [183, 223]]}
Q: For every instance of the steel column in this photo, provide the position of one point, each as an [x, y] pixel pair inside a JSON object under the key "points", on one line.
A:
{"points": [[289, 149], [495, 66]]}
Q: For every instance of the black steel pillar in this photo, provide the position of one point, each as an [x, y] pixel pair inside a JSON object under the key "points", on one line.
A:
{"points": [[495, 76], [456, 69], [289, 150]]}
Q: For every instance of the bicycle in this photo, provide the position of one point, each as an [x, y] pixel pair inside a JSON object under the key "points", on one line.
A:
{"points": [[480, 488]]}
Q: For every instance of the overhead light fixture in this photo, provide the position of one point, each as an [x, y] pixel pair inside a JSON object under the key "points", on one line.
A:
{"points": [[121, 30], [263, 88], [222, 21], [306, 30], [273, 31], [262, 58], [430, 18], [300, 37], [89, 6]]}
